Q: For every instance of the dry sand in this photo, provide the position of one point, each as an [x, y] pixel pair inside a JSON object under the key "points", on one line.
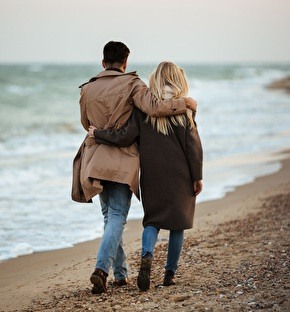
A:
{"points": [[236, 258]]}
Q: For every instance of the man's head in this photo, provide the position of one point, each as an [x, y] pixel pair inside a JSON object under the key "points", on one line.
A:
{"points": [[115, 55]]}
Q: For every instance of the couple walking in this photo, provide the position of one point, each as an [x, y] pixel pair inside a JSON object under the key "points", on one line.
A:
{"points": [[130, 127]]}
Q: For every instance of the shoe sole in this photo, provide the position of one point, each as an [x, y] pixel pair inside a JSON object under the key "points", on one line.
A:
{"points": [[169, 284], [98, 287], [143, 281]]}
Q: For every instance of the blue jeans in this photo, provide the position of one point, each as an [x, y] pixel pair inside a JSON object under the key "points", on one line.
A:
{"points": [[149, 239], [115, 201]]}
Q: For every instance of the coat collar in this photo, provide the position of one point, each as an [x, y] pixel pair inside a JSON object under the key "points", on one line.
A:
{"points": [[115, 68], [109, 73]]}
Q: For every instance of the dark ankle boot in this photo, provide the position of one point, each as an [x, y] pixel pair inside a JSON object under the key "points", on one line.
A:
{"points": [[143, 279], [99, 280], [168, 278]]}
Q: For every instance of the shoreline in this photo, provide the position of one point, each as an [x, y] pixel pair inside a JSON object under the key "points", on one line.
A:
{"points": [[252, 165], [261, 160], [24, 279]]}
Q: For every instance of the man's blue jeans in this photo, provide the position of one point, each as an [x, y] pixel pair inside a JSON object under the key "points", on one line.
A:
{"points": [[115, 201], [149, 239]]}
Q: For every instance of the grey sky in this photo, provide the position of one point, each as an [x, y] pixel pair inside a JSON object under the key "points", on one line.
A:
{"points": [[154, 30]]}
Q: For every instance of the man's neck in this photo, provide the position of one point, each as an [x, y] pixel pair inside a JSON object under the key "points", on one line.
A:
{"points": [[116, 69], [120, 67]]}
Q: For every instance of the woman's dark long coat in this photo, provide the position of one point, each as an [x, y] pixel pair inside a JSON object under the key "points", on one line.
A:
{"points": [[169, 166]]}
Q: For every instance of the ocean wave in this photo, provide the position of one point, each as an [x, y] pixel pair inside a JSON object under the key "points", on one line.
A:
{"points": [[14, 89]]}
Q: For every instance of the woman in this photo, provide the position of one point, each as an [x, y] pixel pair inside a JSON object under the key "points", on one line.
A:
{"points": [[171, 169]]}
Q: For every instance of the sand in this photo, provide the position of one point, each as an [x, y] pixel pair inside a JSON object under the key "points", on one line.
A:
{"points": [[236, 258]]}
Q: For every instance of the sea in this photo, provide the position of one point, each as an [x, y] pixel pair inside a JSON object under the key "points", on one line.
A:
{"points": [[242, 125]]}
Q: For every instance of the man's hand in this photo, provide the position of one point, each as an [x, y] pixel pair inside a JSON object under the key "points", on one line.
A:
{"points": [[191, 103], [197, 187], [91, 131]]}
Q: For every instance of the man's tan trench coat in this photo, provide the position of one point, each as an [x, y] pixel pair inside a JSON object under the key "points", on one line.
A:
{"points": [[107, 102]]}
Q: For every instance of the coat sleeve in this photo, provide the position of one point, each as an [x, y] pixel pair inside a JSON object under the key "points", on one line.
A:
{"points": [[149, 104], [123, 137], [84, 119], [194, 153]]}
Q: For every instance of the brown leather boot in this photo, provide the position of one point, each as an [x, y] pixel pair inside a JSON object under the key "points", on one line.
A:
{"points": [[99, 280], [143, 279], [121, 282]]}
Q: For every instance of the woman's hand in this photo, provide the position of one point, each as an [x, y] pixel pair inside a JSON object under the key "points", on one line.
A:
{"points": [[197, 187], [91, 131]]}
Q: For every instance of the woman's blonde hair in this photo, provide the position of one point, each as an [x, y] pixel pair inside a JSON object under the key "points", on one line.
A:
{"points": [[169, 81]]}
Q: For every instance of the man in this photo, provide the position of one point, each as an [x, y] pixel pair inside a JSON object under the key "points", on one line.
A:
{"points": [[107, 101]]}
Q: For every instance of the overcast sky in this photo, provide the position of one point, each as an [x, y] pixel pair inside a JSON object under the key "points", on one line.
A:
{"points": [[154, 30]]}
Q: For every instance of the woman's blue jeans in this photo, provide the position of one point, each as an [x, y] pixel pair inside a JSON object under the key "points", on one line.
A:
{"points": [[115, 201], [149, 239]]}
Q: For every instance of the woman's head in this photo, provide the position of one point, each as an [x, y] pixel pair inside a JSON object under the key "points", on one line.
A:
{"points": [[168, 74], [169, 81]]}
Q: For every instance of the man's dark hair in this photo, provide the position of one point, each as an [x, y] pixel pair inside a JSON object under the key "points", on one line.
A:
{"points": [[115, 51]]}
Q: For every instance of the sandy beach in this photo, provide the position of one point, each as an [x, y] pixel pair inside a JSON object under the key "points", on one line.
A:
{"points": [[236, 258]]}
